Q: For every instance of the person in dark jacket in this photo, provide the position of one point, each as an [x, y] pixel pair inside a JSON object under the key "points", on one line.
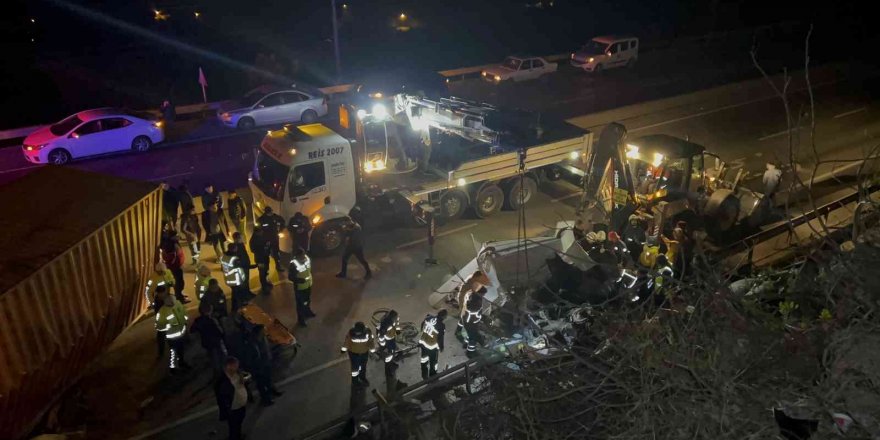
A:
{"points": [[232, 397], [300, 229], [210, 197], [215, 228], [272, 224], [258, 361], [237, 211], [169, 114], [354, 245], [173, 257], [262, 249], [189, 226], [212, 335], [215, 296], [185, 197], [170, 204], [244, 258]]}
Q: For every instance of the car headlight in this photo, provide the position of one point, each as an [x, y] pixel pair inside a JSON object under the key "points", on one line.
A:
{"points": [[591, 60], [497, 78], [380, 112], [484, 73]]}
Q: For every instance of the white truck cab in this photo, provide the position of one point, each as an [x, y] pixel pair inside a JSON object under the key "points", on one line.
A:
{"points": [[296, 170]]}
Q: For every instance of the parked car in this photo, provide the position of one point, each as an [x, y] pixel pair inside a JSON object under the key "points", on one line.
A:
{"points": [[92, 133], [273, 105], [519, 69], [607, 52]]}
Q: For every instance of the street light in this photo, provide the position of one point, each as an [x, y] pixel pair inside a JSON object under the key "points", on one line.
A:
{"points": [[197, 14], [336, 40]]}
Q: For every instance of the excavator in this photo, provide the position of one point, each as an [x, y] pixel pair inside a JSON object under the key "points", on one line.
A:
{"points": [[663, 180]]}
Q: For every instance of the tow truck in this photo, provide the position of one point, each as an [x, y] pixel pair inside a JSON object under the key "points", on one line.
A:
{"points": [[419, 156]]}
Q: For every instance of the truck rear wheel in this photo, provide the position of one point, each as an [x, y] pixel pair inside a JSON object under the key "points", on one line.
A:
{"points": [[453, 204], [519, 192], [489, 200], [327, 238]]}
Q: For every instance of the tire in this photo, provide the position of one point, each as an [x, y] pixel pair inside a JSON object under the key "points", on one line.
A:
{"points": [[520, 194], [246, 123], [489, 201], [141, 144], [309, 116], [552, 173], [59, 156], [327, 238], [453, 204]]}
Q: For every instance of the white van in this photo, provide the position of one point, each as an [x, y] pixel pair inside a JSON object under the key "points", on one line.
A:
{"points": [[607, 52]]}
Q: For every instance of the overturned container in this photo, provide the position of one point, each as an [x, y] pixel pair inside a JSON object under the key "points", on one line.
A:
{"points": [[75, 253]]}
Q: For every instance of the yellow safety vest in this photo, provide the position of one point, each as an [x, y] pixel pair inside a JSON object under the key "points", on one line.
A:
{"points": [[172, 320], [156, 280], [304, 271], [232, 274], [202, 284]]}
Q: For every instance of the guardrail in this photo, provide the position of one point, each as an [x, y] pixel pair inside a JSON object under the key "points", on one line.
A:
{"points": [[451, 74]]}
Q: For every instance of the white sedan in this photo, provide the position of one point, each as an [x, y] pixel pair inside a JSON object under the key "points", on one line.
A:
{"points": [[272, 105], [92, 133], [519, 69]]}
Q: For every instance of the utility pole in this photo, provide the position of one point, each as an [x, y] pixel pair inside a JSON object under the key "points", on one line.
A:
{"points": [[336, 41]]}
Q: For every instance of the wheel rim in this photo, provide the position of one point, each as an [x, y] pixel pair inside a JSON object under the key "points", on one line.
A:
{"points": [[489, 203], [331, 239], [141, 144], [452, 205], [246, 124], [309, 116], [523, 195], [58, 158]]}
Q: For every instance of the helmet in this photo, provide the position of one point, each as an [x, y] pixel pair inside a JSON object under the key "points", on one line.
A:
{"points": [[359, 327]]}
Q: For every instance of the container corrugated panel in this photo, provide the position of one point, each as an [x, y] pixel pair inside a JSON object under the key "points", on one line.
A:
{"points": [[65, 299]]}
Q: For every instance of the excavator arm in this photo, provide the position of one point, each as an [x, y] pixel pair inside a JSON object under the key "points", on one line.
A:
{"points": [[607, 160]]}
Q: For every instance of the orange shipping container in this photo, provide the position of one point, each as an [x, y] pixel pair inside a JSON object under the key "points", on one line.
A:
{"points": [[75, 250]]}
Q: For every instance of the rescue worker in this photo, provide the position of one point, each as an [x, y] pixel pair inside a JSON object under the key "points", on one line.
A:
{"points": [[189, 226], [262, 249], [171, 320], [237, 212], [474, 282], [300, 229], [473, 313], [158, 303], [354, 245], [203, 276], [244, 258], [234, 276], [634, 235], [215, 296], [216, 228], [386, 333], [272, 224], [161, 277], [663, 274], [359, 343], [431, 342], [300, 274]]}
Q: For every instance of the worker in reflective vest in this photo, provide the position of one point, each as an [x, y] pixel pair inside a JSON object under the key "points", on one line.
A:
{"points": [[473, 313], [171, 320], [386, 333], [476, 281], [662, 276], [300, 274], [203, 277], [161, 277], [431, 342], [234, 276], [359, 343]]}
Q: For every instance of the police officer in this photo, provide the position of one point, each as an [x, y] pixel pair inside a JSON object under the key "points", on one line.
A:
{"points": [[431, 342], [171, 320], [354, 245], [161, 277], [158, 303], [300, 229], [262, 249], [386, 333], [359, 343], [473, 313], [300, 274], [235, 276], [272, 224]]}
